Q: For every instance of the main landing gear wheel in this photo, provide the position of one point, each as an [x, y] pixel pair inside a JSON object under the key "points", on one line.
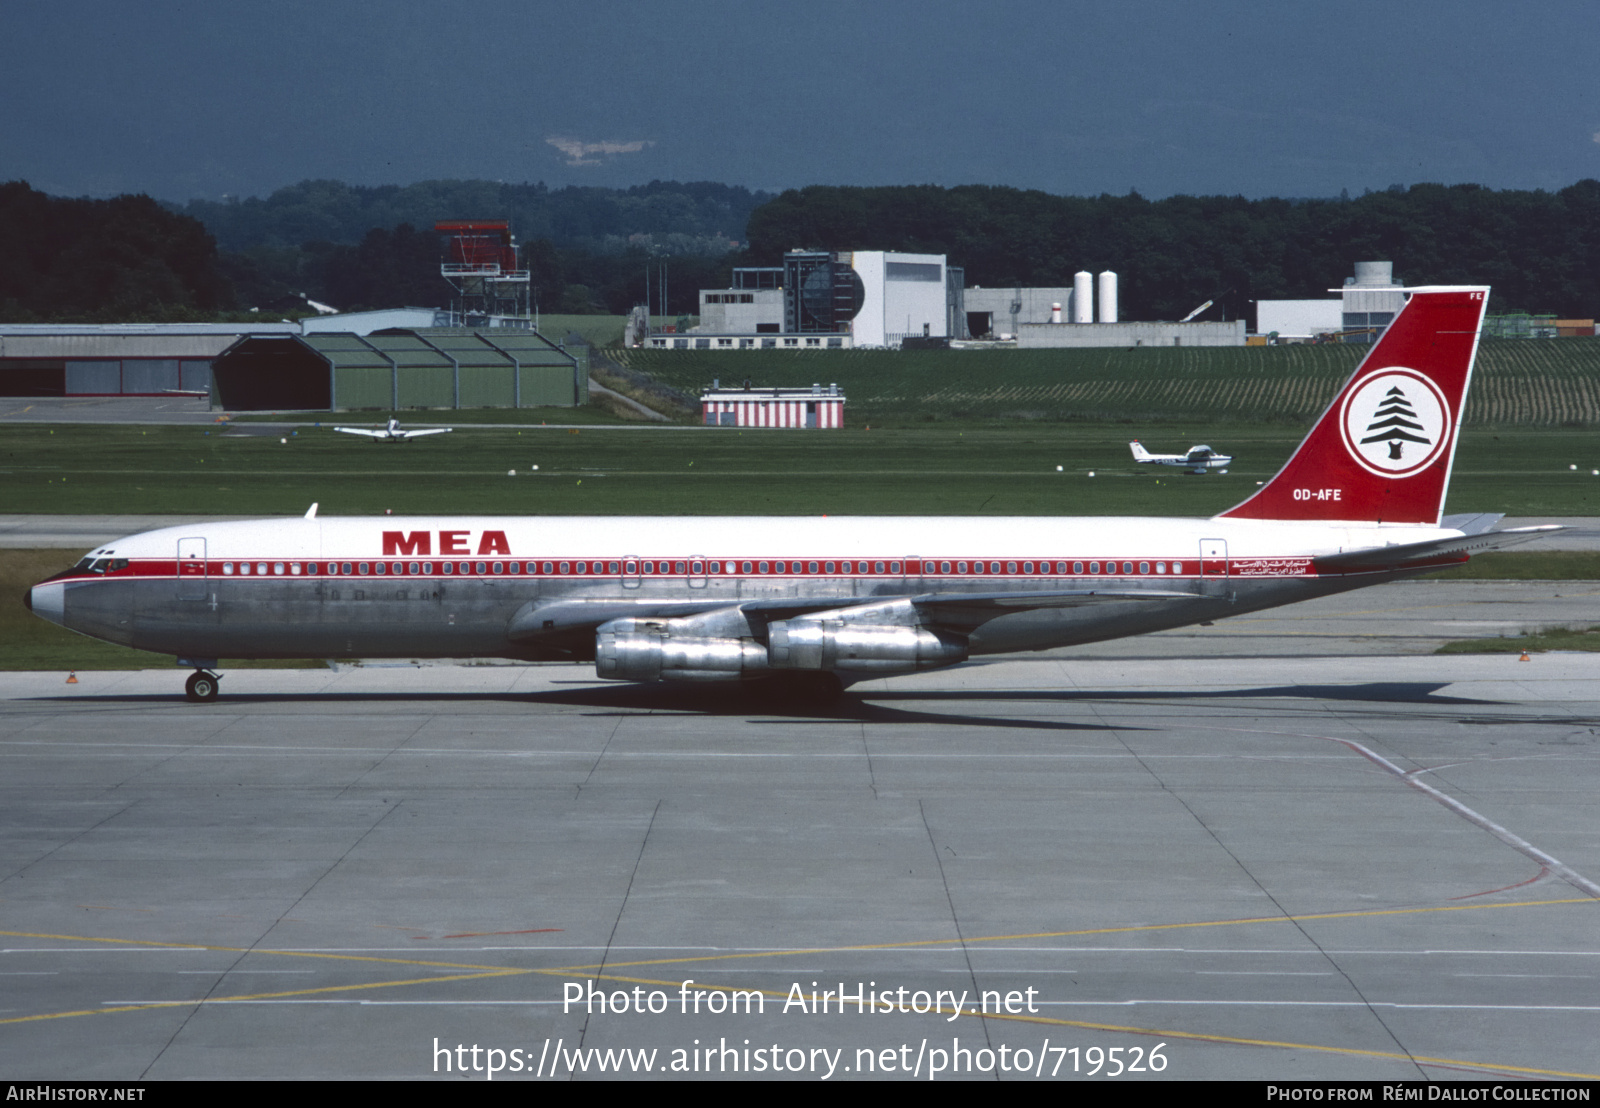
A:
{"points": [[202, 687]]}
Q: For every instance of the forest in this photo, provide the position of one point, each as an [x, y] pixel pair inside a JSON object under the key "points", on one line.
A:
{"points": [[588, 249]]}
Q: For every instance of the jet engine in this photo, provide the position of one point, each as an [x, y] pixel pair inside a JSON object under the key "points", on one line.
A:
{"points": [[836, 644], [668, 650]]}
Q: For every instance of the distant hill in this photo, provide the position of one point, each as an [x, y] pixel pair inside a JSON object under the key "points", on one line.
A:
{"points": [[672, 218]]}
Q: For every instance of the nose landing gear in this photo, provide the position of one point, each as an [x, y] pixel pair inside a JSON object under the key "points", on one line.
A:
{"points": [[201, 687]]}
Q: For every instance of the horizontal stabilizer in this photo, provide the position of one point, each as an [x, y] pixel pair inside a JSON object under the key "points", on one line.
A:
{"points": [[1475, 524], [1444, 551]]}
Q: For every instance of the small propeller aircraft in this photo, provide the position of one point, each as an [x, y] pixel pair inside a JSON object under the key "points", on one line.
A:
{"points": [[1197, 460], [393, 433]]}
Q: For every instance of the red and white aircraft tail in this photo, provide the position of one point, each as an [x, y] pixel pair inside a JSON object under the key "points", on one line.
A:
{"points": [[1383, 450]]}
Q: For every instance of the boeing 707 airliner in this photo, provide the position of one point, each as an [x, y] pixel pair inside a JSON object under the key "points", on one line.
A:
{"points": [[814, 602]]}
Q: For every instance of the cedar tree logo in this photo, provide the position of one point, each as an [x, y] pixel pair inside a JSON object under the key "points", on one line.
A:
{"points": [[1396, 423]]}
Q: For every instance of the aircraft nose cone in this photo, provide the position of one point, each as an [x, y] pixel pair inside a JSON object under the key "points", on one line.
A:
{"points": [[48, 601]]}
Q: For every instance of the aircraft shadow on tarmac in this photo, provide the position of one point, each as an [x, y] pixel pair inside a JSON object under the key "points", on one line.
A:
{"points": [[716, 699]]}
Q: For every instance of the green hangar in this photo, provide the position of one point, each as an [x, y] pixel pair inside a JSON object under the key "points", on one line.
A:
{"points": [[433, 367]]}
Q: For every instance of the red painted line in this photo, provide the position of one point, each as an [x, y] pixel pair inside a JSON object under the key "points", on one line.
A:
{"points": [[1544, 871]]}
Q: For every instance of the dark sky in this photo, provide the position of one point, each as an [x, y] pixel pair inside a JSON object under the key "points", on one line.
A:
{"points": [[186, 99]]}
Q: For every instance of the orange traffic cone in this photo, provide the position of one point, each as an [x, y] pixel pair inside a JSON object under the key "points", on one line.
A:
{"points": [[1524, 657], [72, 677]]}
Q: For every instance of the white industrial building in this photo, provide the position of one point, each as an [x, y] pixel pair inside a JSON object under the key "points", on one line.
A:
{"points": [[903, 296], [1365, 306], [1001, 312], [861, 298], [1044, 336]]}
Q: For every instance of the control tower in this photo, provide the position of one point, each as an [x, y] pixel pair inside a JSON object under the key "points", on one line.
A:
{"points": [[481, 264]]}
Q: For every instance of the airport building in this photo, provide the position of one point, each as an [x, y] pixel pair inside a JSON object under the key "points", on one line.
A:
{"points": [[814, 408], [435, 367], [821, 299]]}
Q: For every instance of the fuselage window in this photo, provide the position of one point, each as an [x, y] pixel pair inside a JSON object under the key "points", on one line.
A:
{"points": [[1011, 567], [744, 567], [362, 569], [545, 567], [1177, 567], [480, 567], [1094, 567], [811, 567], [699, 568], [1127, 567], [1027, 567], [764, 567], [294, 569], [427, 569], [380, 568], [680, 567], [782, 567], [500, 567], [961, 567], [566, 567], [277, 569], [1144, 567], [227, 568], [894, 567], [877, 567], [449, 567], [1161, 567], [611, 567], [344, 567], [412, 568], [261, 568], [827, 567], [1077, 567]]}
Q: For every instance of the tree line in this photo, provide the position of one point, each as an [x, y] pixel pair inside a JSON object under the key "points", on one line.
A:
{"points": [[588, 250], [1539, 250]]}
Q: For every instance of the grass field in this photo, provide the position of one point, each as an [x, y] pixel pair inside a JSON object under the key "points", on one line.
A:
{"points": [[1546, 384], [937, 469], [1583, 639]]}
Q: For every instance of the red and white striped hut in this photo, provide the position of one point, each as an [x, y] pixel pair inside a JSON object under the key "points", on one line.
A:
{"points": [[817, 407]]}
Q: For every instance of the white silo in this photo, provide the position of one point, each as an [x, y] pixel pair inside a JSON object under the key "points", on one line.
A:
{"points": [[1083, 297], [1108, 297]]}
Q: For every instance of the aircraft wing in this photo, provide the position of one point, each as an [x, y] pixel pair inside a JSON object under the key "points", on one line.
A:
{"points": [[425, 431], [967, 611], [1443, 551], [363, 431], [951, 611]]}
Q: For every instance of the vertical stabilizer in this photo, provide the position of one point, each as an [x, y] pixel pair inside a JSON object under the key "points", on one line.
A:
{"points": [[1383, 450]]}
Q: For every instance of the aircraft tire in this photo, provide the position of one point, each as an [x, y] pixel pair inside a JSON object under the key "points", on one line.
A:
{"points": [[201, 688]]}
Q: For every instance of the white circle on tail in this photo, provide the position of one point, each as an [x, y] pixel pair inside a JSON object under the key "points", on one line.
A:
{"points": [[1395, 423]]}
